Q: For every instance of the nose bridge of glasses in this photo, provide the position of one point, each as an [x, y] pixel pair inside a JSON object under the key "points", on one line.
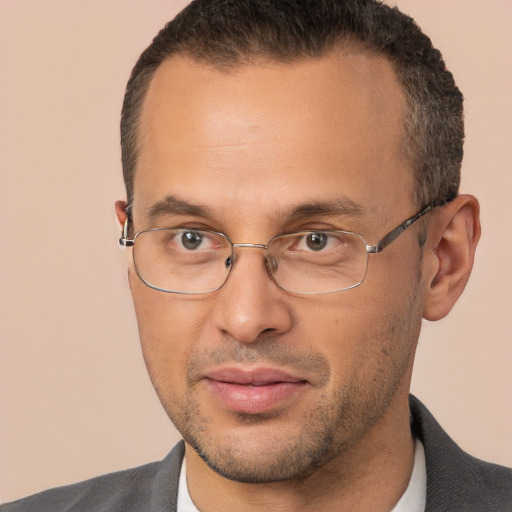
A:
{"points": [[248, 246], [255, 246], [271, 262]]}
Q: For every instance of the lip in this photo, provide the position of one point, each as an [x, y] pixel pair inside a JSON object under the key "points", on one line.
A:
{"points": [[254, 391]]}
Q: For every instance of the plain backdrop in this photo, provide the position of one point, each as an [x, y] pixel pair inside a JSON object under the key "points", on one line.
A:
{"points": [[75, 398]]}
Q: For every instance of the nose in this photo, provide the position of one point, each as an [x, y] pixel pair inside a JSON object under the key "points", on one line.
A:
{"points": [[250, 303]]}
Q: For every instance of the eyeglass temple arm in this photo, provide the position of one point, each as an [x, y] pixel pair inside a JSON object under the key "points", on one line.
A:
{"points": [[392, 235], [124, 240]]}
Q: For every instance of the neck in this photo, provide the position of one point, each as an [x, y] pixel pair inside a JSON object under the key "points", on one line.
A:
{"points": [[371, 475]]}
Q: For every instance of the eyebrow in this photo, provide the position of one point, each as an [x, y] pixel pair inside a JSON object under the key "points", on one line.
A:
{"points": [[342, 205], [171, 205]]}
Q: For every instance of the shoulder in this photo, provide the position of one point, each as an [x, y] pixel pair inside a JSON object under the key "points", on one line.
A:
{"points": [[455, 479], [150, 487]]}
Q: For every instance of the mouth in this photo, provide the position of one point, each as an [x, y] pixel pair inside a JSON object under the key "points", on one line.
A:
{"points": [[254, 391]]}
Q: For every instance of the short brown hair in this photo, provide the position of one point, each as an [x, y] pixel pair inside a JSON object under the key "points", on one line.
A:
{"points": [[230, 33]]}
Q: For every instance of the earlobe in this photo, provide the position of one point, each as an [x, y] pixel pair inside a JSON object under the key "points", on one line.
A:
{"points": [[449, 254], [120, 207]]}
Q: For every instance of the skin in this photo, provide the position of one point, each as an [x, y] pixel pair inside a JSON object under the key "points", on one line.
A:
{"points": [[249, 146]]}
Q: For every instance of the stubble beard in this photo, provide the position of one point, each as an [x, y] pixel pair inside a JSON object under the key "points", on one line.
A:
{"points": [[331, 429]]}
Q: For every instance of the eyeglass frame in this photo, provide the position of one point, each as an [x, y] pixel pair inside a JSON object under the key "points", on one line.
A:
{"points": [[370, 249]]}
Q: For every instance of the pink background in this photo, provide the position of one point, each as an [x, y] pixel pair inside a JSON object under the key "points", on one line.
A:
{"points": [[75, 398]]}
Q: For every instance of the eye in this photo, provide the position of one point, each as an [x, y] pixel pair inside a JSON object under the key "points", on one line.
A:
{"points": [[316, 241], [319, 242], [191, 240]]}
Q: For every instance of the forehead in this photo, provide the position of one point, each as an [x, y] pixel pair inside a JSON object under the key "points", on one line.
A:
{"points": [[274, 134]]}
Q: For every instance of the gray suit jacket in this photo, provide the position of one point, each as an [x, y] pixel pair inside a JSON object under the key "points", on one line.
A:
{"points": [[456, 482]]}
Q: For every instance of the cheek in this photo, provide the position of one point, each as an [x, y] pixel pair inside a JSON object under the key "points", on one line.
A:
{"points": [[336, 326], [169, 330], [368, 333]]}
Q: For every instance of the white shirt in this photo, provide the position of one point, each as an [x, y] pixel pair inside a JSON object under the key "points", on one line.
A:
{"points": [[412, 500], [185, 503], [415, 496]]}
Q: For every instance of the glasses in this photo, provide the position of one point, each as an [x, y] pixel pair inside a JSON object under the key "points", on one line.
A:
{"points": [[192, 261]]}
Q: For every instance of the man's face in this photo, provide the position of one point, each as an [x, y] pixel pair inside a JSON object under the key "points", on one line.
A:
{"points": [[267, 385]]}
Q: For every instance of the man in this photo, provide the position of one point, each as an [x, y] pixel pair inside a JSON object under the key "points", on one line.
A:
{"points": [[292, 212]]}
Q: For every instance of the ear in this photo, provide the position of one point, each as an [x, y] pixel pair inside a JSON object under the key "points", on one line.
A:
{"points": [[449, 253], [120, 207]]}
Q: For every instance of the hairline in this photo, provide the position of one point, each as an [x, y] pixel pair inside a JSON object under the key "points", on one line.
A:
{"points": [[344, 43]]}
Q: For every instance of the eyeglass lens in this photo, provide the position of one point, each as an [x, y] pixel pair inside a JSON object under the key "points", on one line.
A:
{"points": [[193, 261]]}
